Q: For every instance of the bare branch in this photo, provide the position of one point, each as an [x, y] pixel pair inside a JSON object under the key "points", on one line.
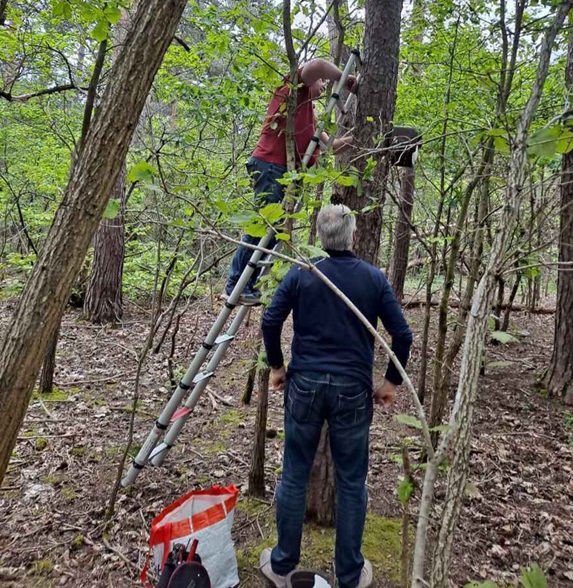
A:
{"points": [[25, 97]]}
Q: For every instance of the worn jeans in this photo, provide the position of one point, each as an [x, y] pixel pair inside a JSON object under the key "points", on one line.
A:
{"points": [[267, 190], [310, 398]]}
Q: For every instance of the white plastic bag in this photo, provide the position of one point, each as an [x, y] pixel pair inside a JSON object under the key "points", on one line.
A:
{"points": [[205, 515]]}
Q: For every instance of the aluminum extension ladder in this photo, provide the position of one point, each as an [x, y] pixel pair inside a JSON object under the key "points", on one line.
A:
{"points": [[194, 382]]}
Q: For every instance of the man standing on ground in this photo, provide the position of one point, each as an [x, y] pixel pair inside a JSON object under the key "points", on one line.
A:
{"points": [[268, 162], [330, 377]]}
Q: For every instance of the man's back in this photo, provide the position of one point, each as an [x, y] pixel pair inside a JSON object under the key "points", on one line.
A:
{"points": [[328, 337]]}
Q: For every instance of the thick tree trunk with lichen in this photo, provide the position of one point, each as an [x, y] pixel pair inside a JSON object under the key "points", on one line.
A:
{"points": [[374, 112], [93, 177]]}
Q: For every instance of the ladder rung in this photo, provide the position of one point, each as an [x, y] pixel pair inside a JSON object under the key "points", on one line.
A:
{"points": [[159, 449], [265, 263], [224, 338], [202, 376]]}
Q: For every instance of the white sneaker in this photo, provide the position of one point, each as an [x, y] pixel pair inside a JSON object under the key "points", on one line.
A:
{"points": [[366, 576], [267, 570]]}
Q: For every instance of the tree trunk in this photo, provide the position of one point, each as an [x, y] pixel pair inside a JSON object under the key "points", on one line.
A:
{"points": [[76, 221], [374, 111], [47, 376], [402, 232], [559, 379], [104, 301], [322, 487], [257, 471]]}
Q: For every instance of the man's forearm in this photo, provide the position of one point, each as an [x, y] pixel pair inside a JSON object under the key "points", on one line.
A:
{"points": [[272, 340]]}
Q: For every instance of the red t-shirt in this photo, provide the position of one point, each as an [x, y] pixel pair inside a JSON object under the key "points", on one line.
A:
{"points": [[272, 144]]}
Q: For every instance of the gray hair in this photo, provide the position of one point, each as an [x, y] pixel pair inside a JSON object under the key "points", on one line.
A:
{"points": [[335, 225]]}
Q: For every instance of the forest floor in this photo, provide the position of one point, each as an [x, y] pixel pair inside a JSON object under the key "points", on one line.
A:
{"points": [[518, 509]]}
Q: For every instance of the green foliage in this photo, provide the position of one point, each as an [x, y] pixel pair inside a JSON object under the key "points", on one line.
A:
{"points": [[405, 489], [532, 577], [503, 337], [408, 420]]}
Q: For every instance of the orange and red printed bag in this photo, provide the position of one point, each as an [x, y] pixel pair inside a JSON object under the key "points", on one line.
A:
{"points": [[205, 515]]}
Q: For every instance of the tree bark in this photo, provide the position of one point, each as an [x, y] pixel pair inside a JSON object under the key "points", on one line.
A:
{"points": [[46, 385], [104, 299], [402, 232], [559, 379], [257, 470], [320, 504], [93, 177], [374, 111]]}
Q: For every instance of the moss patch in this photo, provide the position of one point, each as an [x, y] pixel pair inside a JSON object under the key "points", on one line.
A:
{"points": [[41, 444], [43, 566], [233, 418], [381, 545], [56, 395]]}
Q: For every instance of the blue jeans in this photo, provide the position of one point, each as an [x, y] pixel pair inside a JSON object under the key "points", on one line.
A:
{"points": [[310, 398], [267, 190]]}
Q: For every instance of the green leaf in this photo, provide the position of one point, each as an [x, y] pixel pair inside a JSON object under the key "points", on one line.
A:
{"points": [[486, 584], [495, 133], [533, 577], [242, 218], [100, 31], [62, 9], [111, 210], [256, 230], [282, 236], [543, 143], [312, 250], [370, 165], [440, 429], [272, 212], [405, 489], [142, 171], [222, 206], [500, 144], [112, 14], [346, 180], [503, 337], [409, 420]]}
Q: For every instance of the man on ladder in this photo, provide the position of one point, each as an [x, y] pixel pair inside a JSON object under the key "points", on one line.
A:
{"points": [[268, 162]]}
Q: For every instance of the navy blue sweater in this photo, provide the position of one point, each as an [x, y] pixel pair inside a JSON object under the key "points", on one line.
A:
{"points": [[328, 337]]}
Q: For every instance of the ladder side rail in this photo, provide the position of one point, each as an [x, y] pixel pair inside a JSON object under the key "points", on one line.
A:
{"points": [[171, 436]]}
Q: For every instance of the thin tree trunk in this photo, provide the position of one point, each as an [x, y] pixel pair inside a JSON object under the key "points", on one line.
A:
{"points": [[257, 470], [512, 295], [47, 375], [402, 232], [93, 177]]}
